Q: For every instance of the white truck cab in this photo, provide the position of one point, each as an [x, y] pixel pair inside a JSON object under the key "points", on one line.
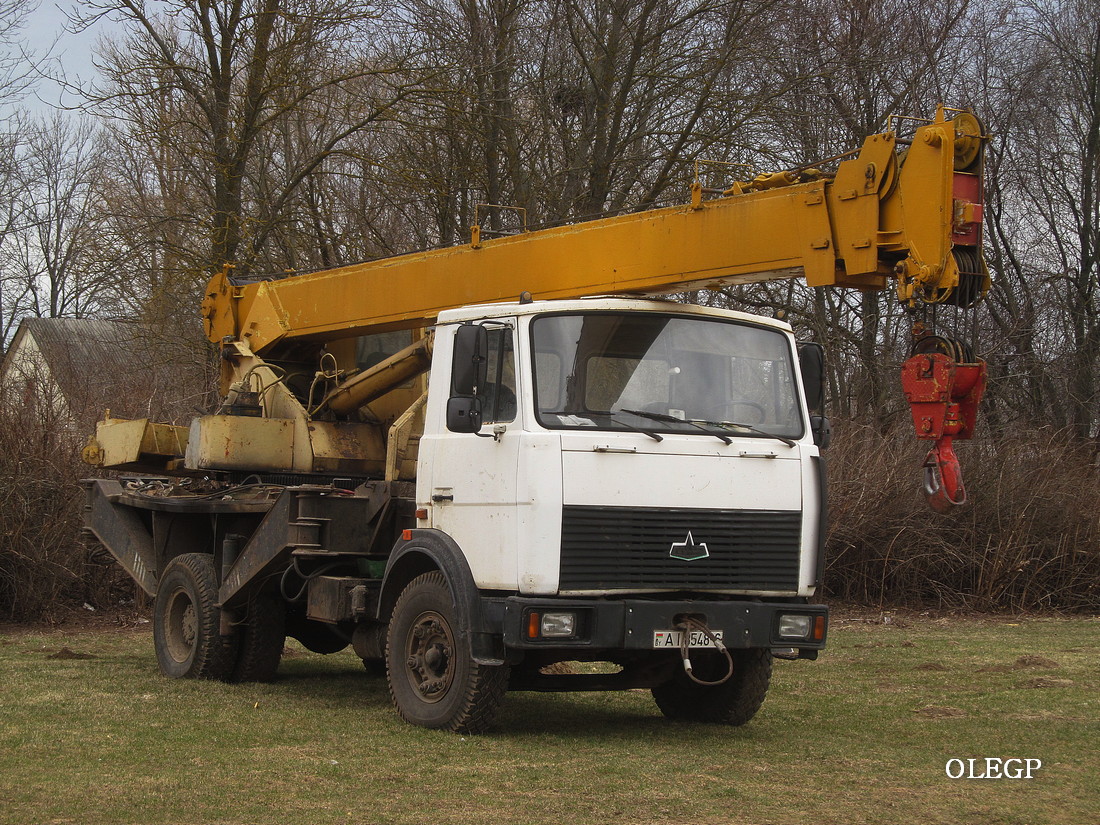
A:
{"points": [[625, 446], [625, 480]]}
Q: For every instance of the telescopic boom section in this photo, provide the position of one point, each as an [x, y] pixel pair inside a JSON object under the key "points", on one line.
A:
{"points": [[911, 214]]}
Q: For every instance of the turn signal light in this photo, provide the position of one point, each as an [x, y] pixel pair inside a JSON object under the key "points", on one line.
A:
{"points": [[819, 628]]}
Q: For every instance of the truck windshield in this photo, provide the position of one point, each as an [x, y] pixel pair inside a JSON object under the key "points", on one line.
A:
{"points": [[664, 374]]}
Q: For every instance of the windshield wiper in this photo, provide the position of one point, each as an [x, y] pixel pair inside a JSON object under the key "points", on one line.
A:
{"points": [[656, 416], [698, 422], [610, 414], [789, 442]]}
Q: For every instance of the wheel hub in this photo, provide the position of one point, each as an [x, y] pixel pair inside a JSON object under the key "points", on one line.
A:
{"points": [[429, 660], [181, 627]]}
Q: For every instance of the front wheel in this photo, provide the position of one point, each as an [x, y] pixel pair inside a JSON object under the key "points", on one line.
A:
{"points": [[433, 679], [734, 702], [186, 621]]}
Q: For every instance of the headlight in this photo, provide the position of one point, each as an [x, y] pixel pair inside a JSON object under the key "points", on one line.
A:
{"points": [[558, 624], [794, 626]]}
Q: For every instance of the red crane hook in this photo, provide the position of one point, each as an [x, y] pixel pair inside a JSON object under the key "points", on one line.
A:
{"points": [[943, 391]]}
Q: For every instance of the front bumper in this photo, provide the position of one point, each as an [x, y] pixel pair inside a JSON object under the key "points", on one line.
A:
{"points": [[631, 623]]}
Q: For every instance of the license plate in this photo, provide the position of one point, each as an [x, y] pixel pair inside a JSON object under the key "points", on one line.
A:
{"points": [[674, 638]]}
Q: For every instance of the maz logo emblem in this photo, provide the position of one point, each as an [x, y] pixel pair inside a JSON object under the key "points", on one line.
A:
{"points": [[688, 550]]}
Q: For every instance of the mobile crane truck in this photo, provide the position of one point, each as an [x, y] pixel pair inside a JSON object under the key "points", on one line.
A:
{"points": [[474, 463]]}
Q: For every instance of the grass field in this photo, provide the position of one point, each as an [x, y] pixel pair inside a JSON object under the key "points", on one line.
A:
{"points": [[91, 733]]}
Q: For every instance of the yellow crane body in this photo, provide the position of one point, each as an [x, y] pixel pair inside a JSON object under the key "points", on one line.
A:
{"points": [[907, 211]]}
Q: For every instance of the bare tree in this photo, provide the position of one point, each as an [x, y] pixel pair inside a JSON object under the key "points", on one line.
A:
{"points": [[18, 64], [1047, 198], [16, 71], [847, 66], [46, 253], [644, 87], [204, 83], [13, 289], [573, 109]]}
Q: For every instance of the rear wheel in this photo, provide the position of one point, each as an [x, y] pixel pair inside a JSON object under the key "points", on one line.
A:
{"points": [[734, 702], [186, 621], [261, 637], [433, 679]]}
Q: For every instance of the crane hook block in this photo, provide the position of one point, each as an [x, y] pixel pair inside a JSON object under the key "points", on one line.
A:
{"points": [[943, 396]]}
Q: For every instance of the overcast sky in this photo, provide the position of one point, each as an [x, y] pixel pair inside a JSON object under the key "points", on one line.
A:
{"points": [[45, 35]]}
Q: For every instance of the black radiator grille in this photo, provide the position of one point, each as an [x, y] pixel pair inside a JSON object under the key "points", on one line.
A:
{"points": [[612, 548]]}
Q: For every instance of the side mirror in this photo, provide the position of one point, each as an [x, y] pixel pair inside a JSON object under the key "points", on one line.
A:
{"points": [[470, 363], [469, 370], [463, 414], [811, 360], [822, 431]]}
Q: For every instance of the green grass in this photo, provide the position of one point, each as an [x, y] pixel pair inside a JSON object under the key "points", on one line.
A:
{"points": [[860, 736]]}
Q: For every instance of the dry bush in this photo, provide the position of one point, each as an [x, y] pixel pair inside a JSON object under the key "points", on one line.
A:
{"points": [[44, 567], [1029, 539]]}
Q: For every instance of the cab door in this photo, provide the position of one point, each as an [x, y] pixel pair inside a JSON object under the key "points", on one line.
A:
{"points": [[470, 489]]}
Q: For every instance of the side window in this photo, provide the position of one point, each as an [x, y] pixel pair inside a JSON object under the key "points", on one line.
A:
{"points": [[370, 349], [551, 382], [498, 397]]}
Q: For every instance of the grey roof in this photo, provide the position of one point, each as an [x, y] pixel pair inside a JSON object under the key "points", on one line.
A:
{"points": [[85, 345], [95, 363]]}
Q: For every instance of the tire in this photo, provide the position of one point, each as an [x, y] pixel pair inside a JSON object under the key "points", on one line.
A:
{"points": [[734, 702], [260, 640], [186, 621], [434, 681]]}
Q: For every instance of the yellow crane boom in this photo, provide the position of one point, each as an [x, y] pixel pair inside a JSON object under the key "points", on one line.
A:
{"points": [[908, 211]]}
